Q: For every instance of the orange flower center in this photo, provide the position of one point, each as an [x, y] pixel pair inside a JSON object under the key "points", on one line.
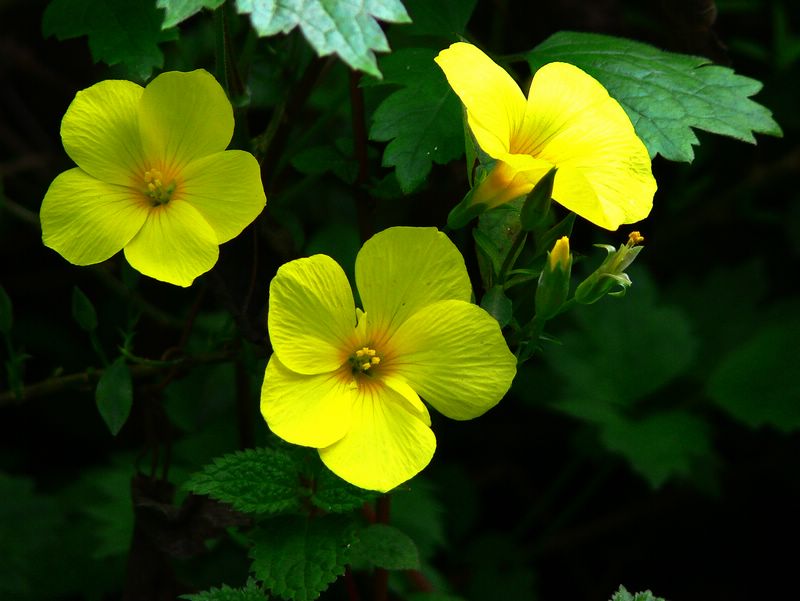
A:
{"points": [[365, 361], [155, 188]]}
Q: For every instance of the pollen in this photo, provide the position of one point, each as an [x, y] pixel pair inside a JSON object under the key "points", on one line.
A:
{"points": [[364, 360], [635, 238], [155, 189]]}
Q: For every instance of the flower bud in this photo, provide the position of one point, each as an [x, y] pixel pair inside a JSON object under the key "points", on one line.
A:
{"points": [[553, 287], [611, 272]]}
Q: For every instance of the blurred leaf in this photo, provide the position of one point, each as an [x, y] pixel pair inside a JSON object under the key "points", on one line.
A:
{"points": [[665, 94], [417, 512], [332, 494], [498, 305], [250, 592], [83, 310], [114, 395], [421, 121], [386, 547], [661, 445], [350, 29], [623, 595], [499, 569], [105, 494], [322, 159], [254, 480], [297, 557], [446, 18], [125, 32], [758, 382], [6, 312], [180, 10]]}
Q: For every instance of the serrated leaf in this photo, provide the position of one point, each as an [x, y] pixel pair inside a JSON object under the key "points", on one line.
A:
{"points": [[757, 383], [6, 312], [250, 592], [254, 481], [623, 595], [665, 94], [83, 310], [350, 29], [660, 446], [298, 557], [498, 305], [180, 10], [385, 546], [125, 32], [334, 495], [421, 121], [444, 18], [114, 395]]}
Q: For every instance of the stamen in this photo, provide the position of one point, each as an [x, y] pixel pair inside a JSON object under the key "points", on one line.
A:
{"points": [[363, 360], [156, 190]]}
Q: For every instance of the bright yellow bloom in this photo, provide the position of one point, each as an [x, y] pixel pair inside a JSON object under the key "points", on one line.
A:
{"points": [[153, 177], [348, 382], [568, 121]]}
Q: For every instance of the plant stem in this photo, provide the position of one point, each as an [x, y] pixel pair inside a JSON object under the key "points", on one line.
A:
{"points": [[508, 263]]}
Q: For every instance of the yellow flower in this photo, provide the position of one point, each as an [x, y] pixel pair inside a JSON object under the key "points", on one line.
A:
{"points": [[153, 177], [568, 121], [348, 382]]}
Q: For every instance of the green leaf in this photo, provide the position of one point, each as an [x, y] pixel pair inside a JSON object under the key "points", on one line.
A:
{"points": [[498, 305], [250, 592], [334, 495], [125, 32], [623, 595], [350, 29], [444, 18], [83, 310], [255, 481], [322, 159], [297, 557], [180, 10], [665, 94], [6, 312], [417, 511], [757, 383], [386, 547], [421, 121], [114, 395], [660, 446]]}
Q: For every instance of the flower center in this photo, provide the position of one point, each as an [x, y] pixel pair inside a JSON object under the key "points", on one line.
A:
{"points": [[364, 361], [159, 193]]}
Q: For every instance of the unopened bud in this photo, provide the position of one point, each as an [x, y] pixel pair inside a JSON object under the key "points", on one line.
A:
{"points": [[553, 288], [611, 272]]}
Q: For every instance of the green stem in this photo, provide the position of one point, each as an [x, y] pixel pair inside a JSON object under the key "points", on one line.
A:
{"points": [[513, 253]]}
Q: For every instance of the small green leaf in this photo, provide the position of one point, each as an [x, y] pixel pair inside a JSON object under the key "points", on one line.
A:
{"points": [[537, 203], [334, 495], [350, 29], [623, 595], [498, 305], [6, 312], [125, 32], [386, 547], [114, 395], [250, 592], [83, 310], [444, 18], [180, 10], [665, 94], [421, 121], [297, 557], [255, 481], [758, 383], [322, 159]]}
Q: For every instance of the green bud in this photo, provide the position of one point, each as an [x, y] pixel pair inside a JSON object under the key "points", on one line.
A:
{"points": [[537, 204], [611, 272], [554, 280]]}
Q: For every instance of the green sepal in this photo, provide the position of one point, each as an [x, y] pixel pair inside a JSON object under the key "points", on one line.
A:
{"points": [[464, 212], [537, 204]]}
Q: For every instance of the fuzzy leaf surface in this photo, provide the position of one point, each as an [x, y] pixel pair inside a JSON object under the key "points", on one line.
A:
{"points": [[623, 595], [350, 29], [665, 94], [421, 121], [385, 546], [178, 11], [253, 481], [125, 32], [297, 557], [250, 592]]}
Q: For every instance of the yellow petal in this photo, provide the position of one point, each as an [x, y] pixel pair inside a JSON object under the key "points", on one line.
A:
{"points": [[415, 405], [312, 316], [454, 355], [175, 244], [386, 444], [604, 170], [313, 411], [182, 117], [226, 188], [100, 131], [495, 104], [402, 269], [87, 221], [509, 179]]}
